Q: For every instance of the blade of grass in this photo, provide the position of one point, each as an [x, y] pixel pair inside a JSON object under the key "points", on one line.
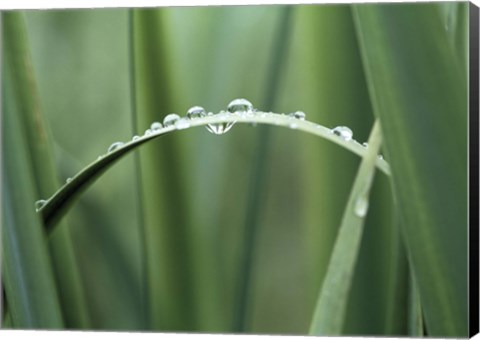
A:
{"points": [[26, 268], [57, 205], [415, 319], [24, 92], [259, 171], [330, 310], [419, 93]]}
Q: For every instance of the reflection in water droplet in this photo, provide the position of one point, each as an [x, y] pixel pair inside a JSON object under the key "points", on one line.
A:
{"points": [[298, 114], [170, 119], [39, 204], [343, 132], [156, 126], [196, 112], [115, 146], [361, 206], [240, 105], [219, 129]]}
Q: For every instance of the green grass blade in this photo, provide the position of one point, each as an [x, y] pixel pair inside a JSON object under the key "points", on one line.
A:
{"points": [[415, 318], [331, 306], [57, 205], [26, 268], [419, 93], [24, 93], [260, 166]]}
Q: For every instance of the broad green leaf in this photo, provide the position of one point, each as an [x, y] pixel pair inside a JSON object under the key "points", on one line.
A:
{"points": [[419, 93], [330, 310], [25, 94]]}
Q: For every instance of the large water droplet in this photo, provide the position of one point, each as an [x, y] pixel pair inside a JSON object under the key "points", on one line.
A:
{"points": [[170, 119], [156, 126], [298, 114], [39, 204], [361, 206], [196, 112], [343, 132], [115, 146], [240, 105]]}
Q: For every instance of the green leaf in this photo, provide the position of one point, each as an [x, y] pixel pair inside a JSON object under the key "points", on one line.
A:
{"points": [[25, 94], [61, 200], [419, 93], [331, 306], [27, 273]]}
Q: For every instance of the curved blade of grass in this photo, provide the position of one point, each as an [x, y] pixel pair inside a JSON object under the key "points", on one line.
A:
{"points": [[24, 93], [419, 93], [58, 203], [330, 310], [26, 267]]}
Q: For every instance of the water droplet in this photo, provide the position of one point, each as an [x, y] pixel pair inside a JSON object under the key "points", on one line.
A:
{"points": [[380, 157], [361, 206], [99, 157], [39, 204], [170, 119], [156, 126], [196, 112], [298, 114], [343, 132], [365, 144], [134, 138], [293, 125], [219, 129], [240, 105], [182, 124], [115, 146], [69, 180]]}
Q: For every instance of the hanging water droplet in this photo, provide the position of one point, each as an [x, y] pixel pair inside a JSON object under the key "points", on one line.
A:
{"points": [[115, 146], [170, 119], [365, 144], [182, 124], [68, 180], [196, 112], [134, 138], [361, 206], [298, 114], [219, 129], [39, 204], [156, 126], [343, 132], [240, 105]]}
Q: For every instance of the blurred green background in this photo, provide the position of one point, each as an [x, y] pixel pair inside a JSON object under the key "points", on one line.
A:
{"points": [[195, 188]]}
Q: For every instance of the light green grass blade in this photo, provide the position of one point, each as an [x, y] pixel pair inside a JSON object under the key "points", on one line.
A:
{"points": [[25, 94], [419, 93], [56, 206], [331, 306], [26, 268], [415, 318]]}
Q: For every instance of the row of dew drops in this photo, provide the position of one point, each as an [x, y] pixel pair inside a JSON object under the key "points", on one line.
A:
{"points": [[238, 106]]}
